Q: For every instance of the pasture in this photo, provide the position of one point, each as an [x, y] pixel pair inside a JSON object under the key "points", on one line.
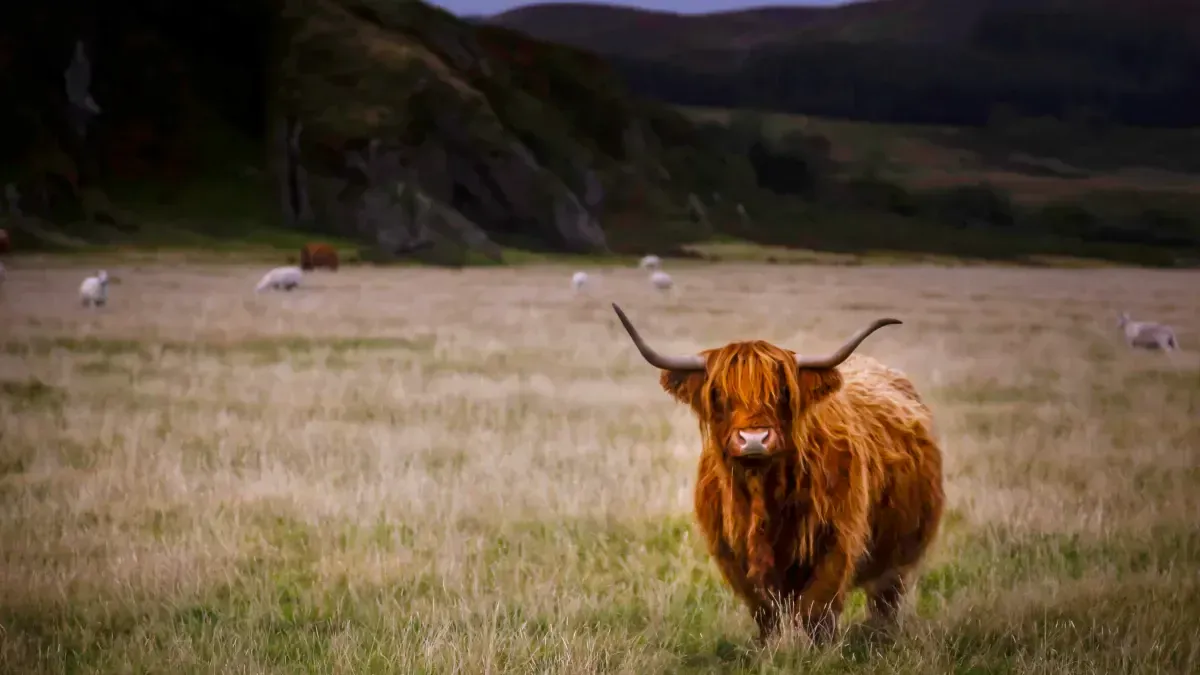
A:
{"points": [[418, 470]]}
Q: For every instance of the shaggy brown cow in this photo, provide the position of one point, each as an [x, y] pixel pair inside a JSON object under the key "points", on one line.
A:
{"points": [[818, 475], [5, 242], [318, 255]]}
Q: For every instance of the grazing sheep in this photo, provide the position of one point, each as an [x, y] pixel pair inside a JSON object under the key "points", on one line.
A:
{"points": [[93, 292], [1146, 334], [661, 280], [579, 280], [650, 262], [285, 278]]}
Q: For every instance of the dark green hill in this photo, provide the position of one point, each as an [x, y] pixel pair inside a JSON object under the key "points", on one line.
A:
{"points": [[913, 61]]}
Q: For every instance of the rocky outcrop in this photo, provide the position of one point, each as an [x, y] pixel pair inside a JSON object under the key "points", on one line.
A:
{"points": [[413, 151], [696, 210], [393, 123], [376, 198]]}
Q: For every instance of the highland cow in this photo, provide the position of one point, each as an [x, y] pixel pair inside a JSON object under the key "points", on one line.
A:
{"points": [[5, 242], [318, 255], [818, 475]]}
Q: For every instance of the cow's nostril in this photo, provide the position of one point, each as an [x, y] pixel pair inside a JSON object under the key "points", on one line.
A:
{"points": [[753, 440]]}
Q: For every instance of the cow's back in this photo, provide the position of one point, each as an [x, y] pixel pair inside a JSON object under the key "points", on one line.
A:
{"points": [[870, 380], [905, 465]]}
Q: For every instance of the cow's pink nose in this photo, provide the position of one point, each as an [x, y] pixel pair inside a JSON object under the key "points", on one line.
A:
{"points": [[753, 441]]}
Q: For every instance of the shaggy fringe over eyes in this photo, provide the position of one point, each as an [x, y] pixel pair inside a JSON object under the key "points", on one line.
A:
{"points": [[752, 376], [747, 373]]}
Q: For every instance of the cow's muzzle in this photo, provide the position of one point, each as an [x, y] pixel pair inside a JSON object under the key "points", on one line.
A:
{"points": [[753, 443]]}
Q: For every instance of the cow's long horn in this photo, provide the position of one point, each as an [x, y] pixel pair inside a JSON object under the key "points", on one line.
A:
{"points": [[843, 352], [689, 362]]}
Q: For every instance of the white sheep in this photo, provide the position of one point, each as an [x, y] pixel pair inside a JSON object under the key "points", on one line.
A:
{"points": [[650, 262], [1146, 334], [579, 280], [93, 292], [285, 278], [661, 280]]}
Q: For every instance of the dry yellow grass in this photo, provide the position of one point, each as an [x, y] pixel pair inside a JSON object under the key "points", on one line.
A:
{"points": [[472, 471]]}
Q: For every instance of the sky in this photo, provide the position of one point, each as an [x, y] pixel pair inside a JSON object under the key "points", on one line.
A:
{"points": [[488, 7]]}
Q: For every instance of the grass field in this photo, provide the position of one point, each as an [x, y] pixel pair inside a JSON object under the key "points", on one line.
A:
{"points": [[418, 470]]}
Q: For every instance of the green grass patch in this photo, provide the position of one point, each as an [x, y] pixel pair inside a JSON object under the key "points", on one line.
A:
{"points": [[551, 591]]}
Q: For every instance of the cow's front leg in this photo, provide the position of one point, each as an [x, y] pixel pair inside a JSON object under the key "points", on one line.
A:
{"points": [[766, 617], [820, 603], [765, 612]]}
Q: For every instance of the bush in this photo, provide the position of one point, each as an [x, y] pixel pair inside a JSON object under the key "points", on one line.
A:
{"points": [[874, 192], [969, 205], [744, 130], [1067, 220], [797, 164], [1169, 228]]}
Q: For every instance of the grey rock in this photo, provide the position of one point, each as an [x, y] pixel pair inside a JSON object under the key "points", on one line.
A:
{"points": [[376, 196], [696, 209], [12, 199], [593, 190], [633, 141], [81, 107], [293, 177]]}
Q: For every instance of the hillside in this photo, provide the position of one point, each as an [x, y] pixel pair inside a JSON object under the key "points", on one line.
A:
{"points": [[913, 61], [1036, 163], [648, 34], [402, 131], [644, 33], [410, 130]]}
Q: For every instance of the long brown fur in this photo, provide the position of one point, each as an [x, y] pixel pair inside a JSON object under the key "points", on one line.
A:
{"points": [[853, 499], [318, 255]]}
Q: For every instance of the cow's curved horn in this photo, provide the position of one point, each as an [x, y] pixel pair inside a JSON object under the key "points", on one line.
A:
{"points": [[689, 362], [843, 352]]}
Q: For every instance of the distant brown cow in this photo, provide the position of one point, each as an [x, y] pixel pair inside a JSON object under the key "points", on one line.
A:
{"points": [[5, 242], [818, 475], [318, 255]]}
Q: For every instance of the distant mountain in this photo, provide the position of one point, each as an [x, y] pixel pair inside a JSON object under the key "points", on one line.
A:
{"points": [[944, 61], [639, 33]]}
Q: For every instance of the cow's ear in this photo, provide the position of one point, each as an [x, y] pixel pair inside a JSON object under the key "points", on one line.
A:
{"points": [[816, 385], [683, 387]]}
